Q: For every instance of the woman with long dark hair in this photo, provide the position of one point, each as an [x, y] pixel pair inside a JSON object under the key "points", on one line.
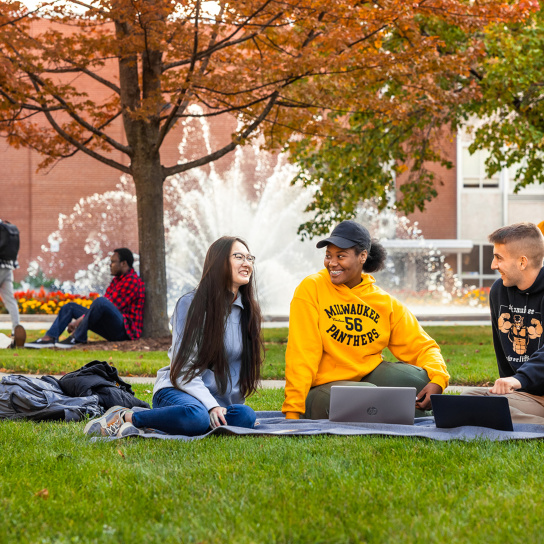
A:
{"points": [[215, 357], [339, 324]]}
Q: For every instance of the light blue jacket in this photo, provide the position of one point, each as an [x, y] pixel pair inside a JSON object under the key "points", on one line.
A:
{"points": [[204, 387]]}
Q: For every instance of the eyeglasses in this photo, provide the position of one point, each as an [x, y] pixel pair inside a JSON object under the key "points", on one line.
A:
{"points": [[240, 257]]}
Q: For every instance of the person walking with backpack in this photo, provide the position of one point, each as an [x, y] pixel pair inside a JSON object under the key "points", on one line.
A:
{"points": [[9, 249]]}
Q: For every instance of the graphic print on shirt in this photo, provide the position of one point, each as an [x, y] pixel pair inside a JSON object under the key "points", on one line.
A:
{"points": [[522, 329], [352, 324]]}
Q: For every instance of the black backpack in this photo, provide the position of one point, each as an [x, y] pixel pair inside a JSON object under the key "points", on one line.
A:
{"points": [[9, 241]]}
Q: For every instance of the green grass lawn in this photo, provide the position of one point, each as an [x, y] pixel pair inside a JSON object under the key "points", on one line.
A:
{"points": [[48, 361], [56, 486], [467, 350]]}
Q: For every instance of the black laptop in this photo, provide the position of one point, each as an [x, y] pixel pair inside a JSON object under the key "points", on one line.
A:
{"points": [[459, 410]]}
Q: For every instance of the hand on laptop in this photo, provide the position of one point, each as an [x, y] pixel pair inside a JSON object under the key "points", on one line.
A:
{"points": [[423, 401], [503, 386]]}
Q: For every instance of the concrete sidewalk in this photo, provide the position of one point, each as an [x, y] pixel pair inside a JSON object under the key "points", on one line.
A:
{"points": [[43, 322], [32, 322], [265, 384], [40, 322], [280, 384]]}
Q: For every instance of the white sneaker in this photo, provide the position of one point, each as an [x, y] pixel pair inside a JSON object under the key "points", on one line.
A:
{"points": [[128, 429], [109, 424], [5, 341]]}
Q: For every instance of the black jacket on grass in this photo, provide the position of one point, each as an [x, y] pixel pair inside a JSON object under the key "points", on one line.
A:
{"points": [[101, 379], [517, 319], [42, 399]]}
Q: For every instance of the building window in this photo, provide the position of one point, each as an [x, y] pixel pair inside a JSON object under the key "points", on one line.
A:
{"points": [[476, 266], [473, 170]]}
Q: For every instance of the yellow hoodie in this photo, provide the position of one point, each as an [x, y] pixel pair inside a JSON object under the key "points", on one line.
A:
{"points": [[337, 333]]}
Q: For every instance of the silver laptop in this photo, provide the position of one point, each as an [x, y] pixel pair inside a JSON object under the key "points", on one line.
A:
{"points": [[372, 404]]}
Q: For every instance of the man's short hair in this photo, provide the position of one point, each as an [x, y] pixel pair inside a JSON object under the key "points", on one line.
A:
{"points": [[125, 255], [526, 236]]}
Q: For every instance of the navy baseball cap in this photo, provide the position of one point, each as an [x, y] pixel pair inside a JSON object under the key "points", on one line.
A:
{"points": [[347, 234]]}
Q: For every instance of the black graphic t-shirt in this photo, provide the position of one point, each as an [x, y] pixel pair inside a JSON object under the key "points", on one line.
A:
{"points": [[518, 332]]}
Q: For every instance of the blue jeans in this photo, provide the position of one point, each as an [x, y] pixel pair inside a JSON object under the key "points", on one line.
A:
{"points": [[176, 412], [102, 317]]}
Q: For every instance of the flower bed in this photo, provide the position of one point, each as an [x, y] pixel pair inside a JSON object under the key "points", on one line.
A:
{"points": [[42, 302], [471, 298], [476, 297]]}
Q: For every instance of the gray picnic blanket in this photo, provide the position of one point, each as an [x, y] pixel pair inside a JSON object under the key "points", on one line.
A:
{"points": [[274, 424]]}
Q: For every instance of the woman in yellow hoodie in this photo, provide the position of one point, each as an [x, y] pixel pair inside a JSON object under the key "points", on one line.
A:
{"points": [[339, 324]]}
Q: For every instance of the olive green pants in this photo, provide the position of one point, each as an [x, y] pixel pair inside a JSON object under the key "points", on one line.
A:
{"points": [[385, 374]]}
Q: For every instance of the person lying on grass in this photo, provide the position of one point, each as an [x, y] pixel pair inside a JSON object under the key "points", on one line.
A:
{"points": [[517, 304], [215, 357], [339, 324]]}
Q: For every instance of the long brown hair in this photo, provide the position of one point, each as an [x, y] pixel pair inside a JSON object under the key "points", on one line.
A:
{"points": [[205, 325]]}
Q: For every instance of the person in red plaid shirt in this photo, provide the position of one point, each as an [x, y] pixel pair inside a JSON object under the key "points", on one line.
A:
{"points": [[116, 316]]}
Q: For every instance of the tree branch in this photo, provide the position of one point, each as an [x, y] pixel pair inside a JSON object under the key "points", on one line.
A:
{"points": [[87, 72], [67, 109], [91, 7], [185, 91], [71, 140], [27, 106], [226, 41], [39, 84], [86, 150], [228, 148], [88, 140]]}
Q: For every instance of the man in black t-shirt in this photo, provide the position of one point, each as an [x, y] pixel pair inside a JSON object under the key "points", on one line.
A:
{"points": [[517, 306]]}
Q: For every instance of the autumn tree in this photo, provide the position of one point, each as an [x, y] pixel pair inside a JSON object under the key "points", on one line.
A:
{"points": [[378, 148], [282, 68], [510, 109]]}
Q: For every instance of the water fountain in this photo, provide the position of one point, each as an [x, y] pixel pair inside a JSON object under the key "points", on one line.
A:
{"points": [[201, 205], [251, 197]]}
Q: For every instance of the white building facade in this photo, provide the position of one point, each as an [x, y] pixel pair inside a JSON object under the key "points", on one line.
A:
{"points": [[485, 204]]}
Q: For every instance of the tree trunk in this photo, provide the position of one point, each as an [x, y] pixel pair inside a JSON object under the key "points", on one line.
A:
{"points": [[148, 181], [147, 173]]}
